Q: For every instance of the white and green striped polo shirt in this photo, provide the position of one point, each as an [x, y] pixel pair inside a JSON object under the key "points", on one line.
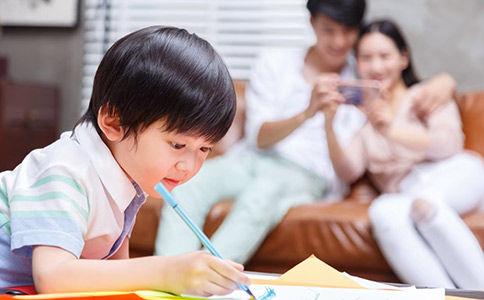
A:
{"points": [[71, 194]]}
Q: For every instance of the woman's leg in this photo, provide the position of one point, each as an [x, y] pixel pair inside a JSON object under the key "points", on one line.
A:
{"points": [[453, 242], [410, 257], [456, 187], [458, 181]]}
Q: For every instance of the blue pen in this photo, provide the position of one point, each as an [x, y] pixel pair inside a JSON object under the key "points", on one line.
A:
{"points": [[161, 189]]}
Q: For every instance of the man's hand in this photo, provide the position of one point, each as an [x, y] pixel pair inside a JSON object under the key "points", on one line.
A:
{"points": [[329, 105], [319, 97], [434, 93]]}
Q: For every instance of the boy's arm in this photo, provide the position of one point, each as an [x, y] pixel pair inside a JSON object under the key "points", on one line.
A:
{"points": [[434, 93], [196, 273]]}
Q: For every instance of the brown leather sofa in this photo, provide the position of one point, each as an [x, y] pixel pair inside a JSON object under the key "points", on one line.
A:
{"points": [[337, 233]]}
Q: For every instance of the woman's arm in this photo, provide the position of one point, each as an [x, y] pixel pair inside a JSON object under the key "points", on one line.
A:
{"points": [[381, 115], [413, 138], [440, 137], [196, 273], [446, 135]]}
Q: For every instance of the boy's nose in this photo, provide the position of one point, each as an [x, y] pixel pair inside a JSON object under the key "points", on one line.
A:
{"points": [[186, 164]]}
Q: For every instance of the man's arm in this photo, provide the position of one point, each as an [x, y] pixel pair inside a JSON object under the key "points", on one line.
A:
{"points": [[273, 132], [434, 93]]}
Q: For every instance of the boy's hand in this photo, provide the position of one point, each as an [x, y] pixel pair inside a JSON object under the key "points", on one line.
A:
{"points": [[202, 274], [198, 273]]}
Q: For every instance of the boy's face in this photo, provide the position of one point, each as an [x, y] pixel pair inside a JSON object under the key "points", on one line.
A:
{"points": [[160, 156], [334, 41]]}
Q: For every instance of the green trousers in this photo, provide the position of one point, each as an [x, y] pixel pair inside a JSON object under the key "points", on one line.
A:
{"points": [[263, 187]]}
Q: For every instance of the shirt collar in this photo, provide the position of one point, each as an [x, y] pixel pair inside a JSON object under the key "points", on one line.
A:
{"points": [[348, 72], [114, 179]]}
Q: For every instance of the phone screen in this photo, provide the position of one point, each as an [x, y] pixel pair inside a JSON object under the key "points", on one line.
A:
{"points": [[352, 94], [355, 92]]}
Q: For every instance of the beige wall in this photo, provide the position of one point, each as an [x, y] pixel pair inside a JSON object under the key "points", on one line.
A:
{"points": [[444, 35]]}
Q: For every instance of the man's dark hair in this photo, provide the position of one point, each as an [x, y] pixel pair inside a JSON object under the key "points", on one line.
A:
{"points": [[391, 30], [164, 73], [347, 12]]}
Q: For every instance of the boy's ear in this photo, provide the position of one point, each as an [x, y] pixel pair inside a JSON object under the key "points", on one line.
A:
{"points": [[109, 124], [312, 21]]}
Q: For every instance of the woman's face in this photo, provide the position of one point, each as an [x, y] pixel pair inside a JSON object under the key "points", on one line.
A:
{"points": [[333, 40], [378, 58]]}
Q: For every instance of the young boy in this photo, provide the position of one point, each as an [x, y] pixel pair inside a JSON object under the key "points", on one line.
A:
{"points": [[161, 98]]}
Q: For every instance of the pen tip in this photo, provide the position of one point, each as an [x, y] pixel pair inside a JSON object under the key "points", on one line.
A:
{"points": [[252, 297]]}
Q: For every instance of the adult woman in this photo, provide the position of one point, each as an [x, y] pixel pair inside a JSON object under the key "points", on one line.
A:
{"points": [[419, 165]]}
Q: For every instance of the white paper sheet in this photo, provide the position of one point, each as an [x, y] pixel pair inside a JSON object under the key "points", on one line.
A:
{"points": [[370, 284], [282, 292]]}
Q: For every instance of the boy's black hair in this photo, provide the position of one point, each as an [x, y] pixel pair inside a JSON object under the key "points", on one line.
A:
{"points": [[391, 30], [347, 12], [164, 73]]}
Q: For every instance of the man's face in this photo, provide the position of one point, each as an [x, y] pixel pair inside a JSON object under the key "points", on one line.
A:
{"points": [[334, 41]]}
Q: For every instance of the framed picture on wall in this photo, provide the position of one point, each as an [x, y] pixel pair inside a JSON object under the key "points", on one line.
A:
{"points": [[39, 13]]}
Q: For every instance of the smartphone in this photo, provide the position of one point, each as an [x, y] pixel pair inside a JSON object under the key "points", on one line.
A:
{"points": [[355, 91], [352, 94]]}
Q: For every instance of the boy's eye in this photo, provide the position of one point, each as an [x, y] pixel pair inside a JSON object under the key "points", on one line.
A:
{"points": [[327, 29], [205, 149], [177, 146]]}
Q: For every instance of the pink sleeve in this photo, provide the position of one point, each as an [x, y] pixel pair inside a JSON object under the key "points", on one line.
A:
{"points": [[445, 129]]}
